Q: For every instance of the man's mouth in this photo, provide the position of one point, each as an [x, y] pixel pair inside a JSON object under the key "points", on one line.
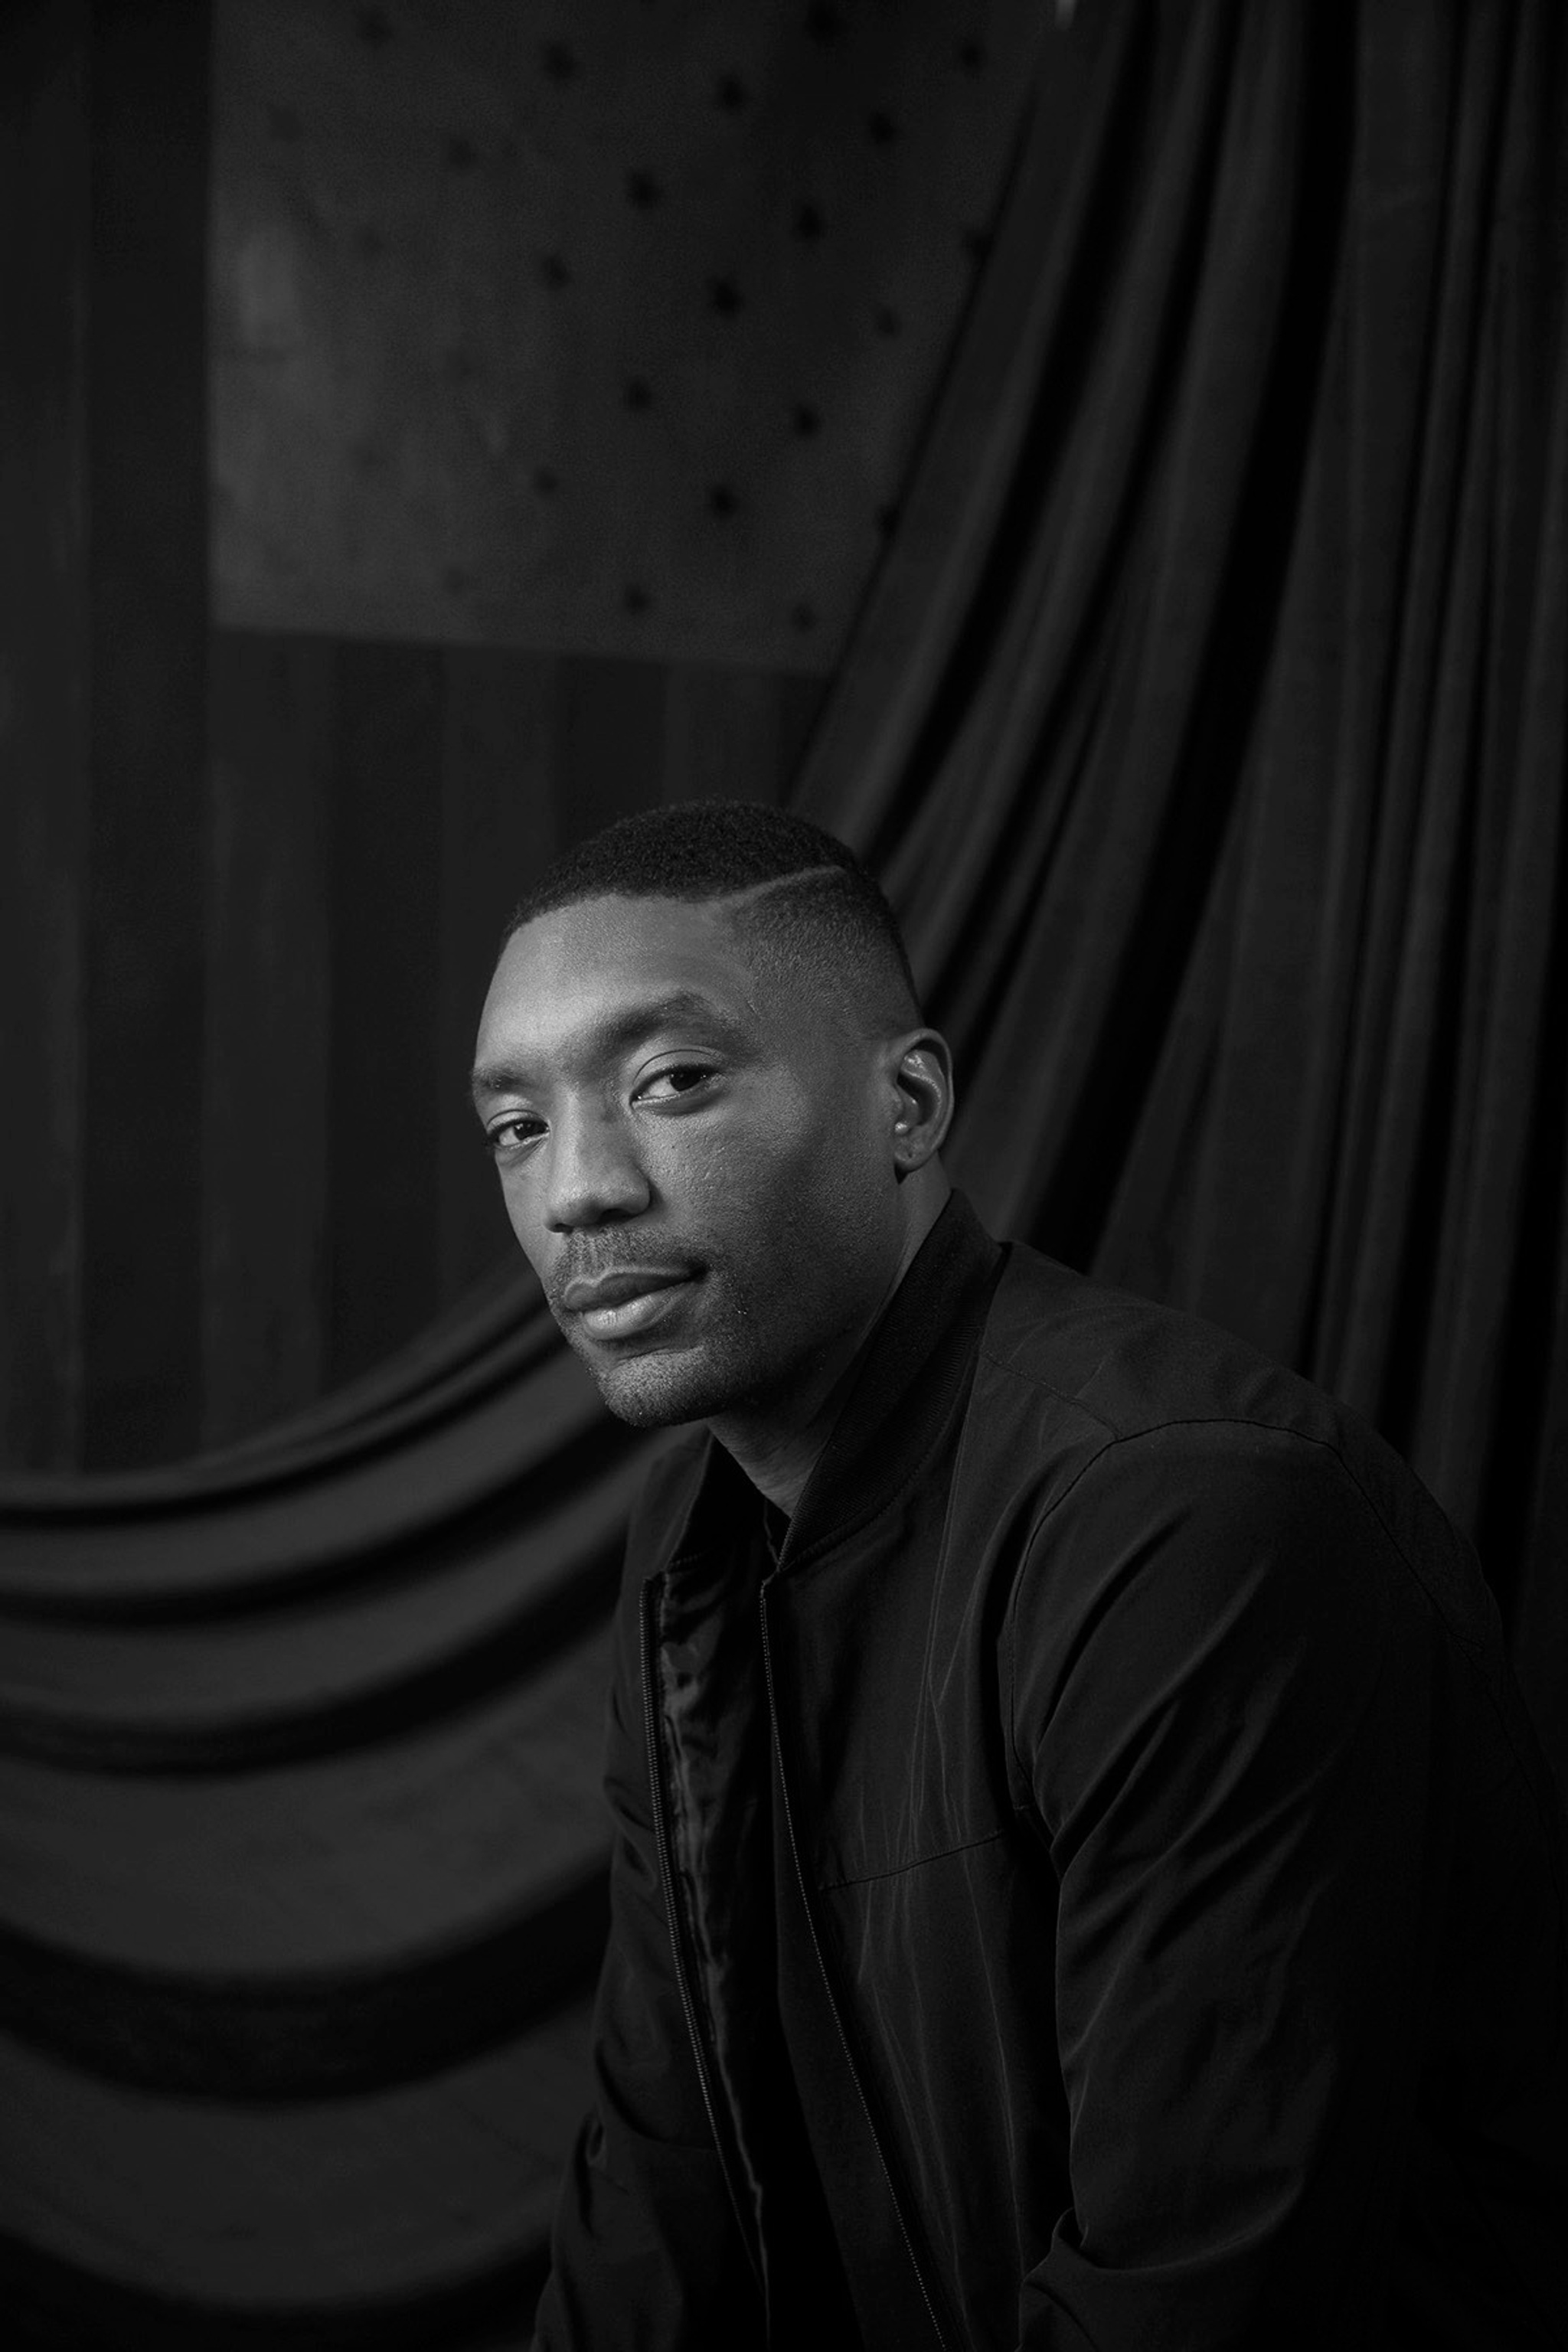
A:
{"points": [[631, 1299]]}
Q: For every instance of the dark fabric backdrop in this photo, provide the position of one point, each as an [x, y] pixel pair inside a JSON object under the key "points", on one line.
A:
{"points": [[1208, 723]]}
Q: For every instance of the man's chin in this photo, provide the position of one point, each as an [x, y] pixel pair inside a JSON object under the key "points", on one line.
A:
{"points": [[661, 1388]]}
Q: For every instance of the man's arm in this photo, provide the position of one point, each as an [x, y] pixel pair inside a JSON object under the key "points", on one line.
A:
{"points": [[1223, 1701], [644, 2250]]}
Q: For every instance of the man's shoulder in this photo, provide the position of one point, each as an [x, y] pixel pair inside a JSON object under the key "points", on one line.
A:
{"points": [[1086, 1390], [1114, 1364], [1104, 1427]]}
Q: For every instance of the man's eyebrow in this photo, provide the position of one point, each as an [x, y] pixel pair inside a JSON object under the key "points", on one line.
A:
{"points": [[611, 1035]]}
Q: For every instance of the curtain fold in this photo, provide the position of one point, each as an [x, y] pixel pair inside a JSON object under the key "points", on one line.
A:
{"points": [[303, 1860], [1208, 721]]}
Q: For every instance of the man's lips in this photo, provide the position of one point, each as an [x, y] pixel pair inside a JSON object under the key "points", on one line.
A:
{"points": [[613, 1306]]}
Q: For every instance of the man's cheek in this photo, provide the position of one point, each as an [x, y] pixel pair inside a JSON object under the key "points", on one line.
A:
{"points": [[527, 1224], [723, 1181]]}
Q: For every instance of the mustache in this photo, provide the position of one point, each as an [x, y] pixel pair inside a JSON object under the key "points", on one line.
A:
{"points": [[588, 1257]]}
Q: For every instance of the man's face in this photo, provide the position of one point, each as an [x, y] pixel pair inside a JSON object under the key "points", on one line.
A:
{"points": [[693, 1156]]}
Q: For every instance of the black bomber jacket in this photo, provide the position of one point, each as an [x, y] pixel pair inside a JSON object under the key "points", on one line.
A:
{"points": [[1096, 1887]]}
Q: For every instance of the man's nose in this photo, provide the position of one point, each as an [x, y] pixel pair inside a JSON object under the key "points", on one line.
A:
{"points": [[595, 1172]]}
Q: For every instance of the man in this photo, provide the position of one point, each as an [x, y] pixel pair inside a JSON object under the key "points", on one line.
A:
{"points": [[1082, 1872]]}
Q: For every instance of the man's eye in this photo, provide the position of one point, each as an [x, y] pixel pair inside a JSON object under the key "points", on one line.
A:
{"points": [[509, 1135], [681, 1078]]}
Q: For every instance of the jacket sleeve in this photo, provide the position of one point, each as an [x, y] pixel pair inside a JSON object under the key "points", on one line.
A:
{"points": [[1222, 1702], [645, 2249]]}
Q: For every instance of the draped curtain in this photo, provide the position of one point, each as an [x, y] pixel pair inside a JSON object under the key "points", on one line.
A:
{"points": [[1206, 722]]}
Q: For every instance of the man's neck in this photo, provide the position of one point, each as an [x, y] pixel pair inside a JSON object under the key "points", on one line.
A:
{"points": [[778, 1456], [778, 1450]]}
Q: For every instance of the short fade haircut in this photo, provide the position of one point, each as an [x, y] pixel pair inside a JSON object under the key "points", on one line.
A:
{"points": [[801, 897]]}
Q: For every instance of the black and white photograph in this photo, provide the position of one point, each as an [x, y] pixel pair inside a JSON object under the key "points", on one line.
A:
{"points": [[783, 1176]]}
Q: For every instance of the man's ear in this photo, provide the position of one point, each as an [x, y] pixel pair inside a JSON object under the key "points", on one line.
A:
{"points": [[920, 1068]]}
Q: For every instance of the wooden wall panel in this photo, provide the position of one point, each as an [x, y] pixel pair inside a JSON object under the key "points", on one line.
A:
{"points": [[600, 327], [267, 1062], [500, 826], [43, 726], [381, 1250], [146, 456], [734, 734], [240, 977], [611, 740]]}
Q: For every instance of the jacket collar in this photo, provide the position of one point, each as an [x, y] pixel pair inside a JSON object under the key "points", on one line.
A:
{"points": [[912, 1370]]}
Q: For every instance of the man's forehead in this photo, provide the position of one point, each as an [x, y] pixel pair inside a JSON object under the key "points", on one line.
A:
{"points": [[629, 928], [592, 977], [655, 947]]}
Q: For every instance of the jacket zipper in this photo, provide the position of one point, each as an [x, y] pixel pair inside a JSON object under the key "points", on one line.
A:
{"points": [[677, 1938], [904, 2230]]}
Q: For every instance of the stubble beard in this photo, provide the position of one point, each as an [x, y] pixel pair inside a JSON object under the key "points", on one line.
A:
{"points": [[661, 1386]]}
